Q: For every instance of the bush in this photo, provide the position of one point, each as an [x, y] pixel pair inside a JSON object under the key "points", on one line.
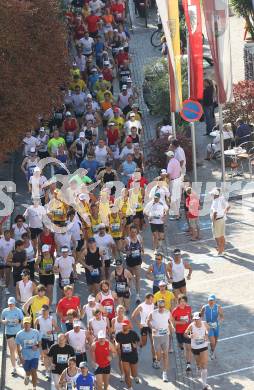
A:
{"points": [[244, 8]]}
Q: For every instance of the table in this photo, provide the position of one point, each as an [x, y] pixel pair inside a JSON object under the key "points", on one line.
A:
{"points": [[214, 133], [233, 153]]}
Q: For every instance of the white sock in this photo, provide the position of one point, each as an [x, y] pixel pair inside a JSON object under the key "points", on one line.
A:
{"points": [[204, 376]]}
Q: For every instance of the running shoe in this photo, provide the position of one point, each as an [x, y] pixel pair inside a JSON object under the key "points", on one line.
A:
{"points": [[7, 292], [156, 364], [137, 380], [164, 376], [14, 372], [26, 380], [138, 300], [188, 367], [121, 378], [47, 374]]}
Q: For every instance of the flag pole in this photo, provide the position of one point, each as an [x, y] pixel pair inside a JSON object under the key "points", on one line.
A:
{"points": [[173, 123], [192, 124], [223, 170]]}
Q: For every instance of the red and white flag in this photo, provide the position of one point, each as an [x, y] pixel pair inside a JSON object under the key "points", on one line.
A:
{"points": [[194, 24], [218, 33]]}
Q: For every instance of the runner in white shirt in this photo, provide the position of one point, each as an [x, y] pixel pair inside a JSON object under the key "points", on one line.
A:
{"points": [[64, 239], [74, 226], [159, 321], [25, 288], [89, 308], [97, 323], [77, 339], [87, 44], [7, 245], [36, 185], [29, 142], [163, 190], [143, 310], [132, 122], [19, 227], [66, 267], [35, 215], [105, 242], [156, 212]]}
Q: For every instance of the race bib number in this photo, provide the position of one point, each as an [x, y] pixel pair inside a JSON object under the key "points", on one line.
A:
{"points": [[184, 318], [162, 332], [47, 336], [12, 322], [58, 212], [62, 359], [120, 287], [95, 272], [115, 227], [84, 387], [28, 344], [135, 253], [48, 267], [213, 325], [126, 348], [199, 341], [108, 309], [65, 282], [95, 228]]}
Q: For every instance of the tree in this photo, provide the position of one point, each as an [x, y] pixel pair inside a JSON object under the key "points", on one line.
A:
{"points": [[245, 9], [242, 105], [33, 66]]}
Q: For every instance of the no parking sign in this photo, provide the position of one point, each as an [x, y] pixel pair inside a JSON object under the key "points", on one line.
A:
{"points": [[192, 110]]}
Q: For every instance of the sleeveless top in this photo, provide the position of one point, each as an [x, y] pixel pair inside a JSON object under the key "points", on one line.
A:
{"points": [[46, 266], [159, 273], [122, 285], [118, 325], [146, 310], [115, 226], [107, 301], [98, 325], [198, 341], [133, 257], [46, 325], [102, 354], [177, 271], [30, 256], [211, 315], [95, 222], [25, 290], [30, 165], [101, 155], [93, 259]]}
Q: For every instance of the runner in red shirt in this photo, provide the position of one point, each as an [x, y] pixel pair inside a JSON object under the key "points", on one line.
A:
{"points": [[112, 134], [182, 318], [117, 10], [107, 299], [100, 354], [92, 24], [69, 301]]}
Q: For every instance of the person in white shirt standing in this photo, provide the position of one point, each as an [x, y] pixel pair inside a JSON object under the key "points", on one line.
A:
{"points": [[175, 185], [156, 212], [179, 155], [219, 209], [7, 245]]}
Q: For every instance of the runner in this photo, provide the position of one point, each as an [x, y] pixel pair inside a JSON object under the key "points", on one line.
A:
{"points": [[89, 308], [7, 245], [92, 263], [69, 375], [176, 271], [106, 243], [121, 279], [66, 267], [198, 331], [116, 228], [134, 250], [25, 288], [143, 311], [160, 321], [47, 326], [30, 254], [107, 299], [116, 327], [69, 301], [77, 338], [59, 354], [45, 265], [182, 318], [165, 295], [17, 260], [102, 352], [34, 304], [156, 212], [85, 380], [158, 271], [219, 209], [28, 342], [212, 314], [98, 323], [127, 343], [12, 318]]}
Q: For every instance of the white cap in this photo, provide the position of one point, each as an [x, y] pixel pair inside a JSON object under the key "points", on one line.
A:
{"points": [[106, 63], [68, 113], [196, 315], [64, 249], [82, 134], [132, 114], [101, 226], [32, 150], [163, 172], [162, 283], [101, 334], [124, 86], [129, 80], [76, 323], [89, 96], [91, 298], [42, 128], [170, 153], [215, 192], [83, 197], [45, 248], [120, 48], [37, 169], [11, 301], [115, 30]]}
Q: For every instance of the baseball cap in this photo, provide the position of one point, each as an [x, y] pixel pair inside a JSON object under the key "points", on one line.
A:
{"points": [[170, 153], [126, 322], [119, 262], [76, 323], [157, 195], [45, 248], [68, 113], [132, 114], [124, 86], [212, 297], [64, 249], [177, 251], [91, 240], [128, 140], [196, 315], [94, 70], [89, 96], [102, 226], [11, 301], [27, 320], [25, 272], [32, 150], [101, 334], [82, 134], [215, 192], [115, 30], [163, 172], [162, 283], [83, 365], [42, 128], [37, 169], [158, 253], [91, 298], [111, 124]]}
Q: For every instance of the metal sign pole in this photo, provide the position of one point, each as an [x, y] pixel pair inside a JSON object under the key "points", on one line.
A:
{"points": [[223, 170], [173, 123]]}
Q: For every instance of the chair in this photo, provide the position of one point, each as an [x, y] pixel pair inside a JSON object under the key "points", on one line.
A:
{"points": [[251, 161]]}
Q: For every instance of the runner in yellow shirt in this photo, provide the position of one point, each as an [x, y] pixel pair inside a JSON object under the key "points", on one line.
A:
{"points": [[34, 304], [165, 295], [116, 228]]}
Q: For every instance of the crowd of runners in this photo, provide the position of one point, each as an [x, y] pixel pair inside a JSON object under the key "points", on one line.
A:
{"points": [[85, 227]]}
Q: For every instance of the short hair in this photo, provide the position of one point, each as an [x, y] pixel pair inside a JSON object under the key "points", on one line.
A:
{"points": [[19, 216], [182, 296], [175, 142], [104, 282], [72, 359], [133, 227], [67, 288], [41, 287], [148, 296], [19, 243]]}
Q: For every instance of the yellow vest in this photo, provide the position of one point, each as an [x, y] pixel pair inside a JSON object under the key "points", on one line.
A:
{"points": [[37, 305], [115, 226]]}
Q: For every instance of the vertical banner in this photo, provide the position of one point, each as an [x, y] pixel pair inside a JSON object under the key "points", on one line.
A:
{"points": [[174, 66], [194, 24], [218, 32]]}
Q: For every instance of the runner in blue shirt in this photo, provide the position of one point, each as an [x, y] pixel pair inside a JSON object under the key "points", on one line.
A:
{"points": [[85, 380], [28, 345], [12, 317]]}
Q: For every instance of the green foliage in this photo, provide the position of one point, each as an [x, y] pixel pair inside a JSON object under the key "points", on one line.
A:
{"points": [[244, 8], [156, 86]]}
